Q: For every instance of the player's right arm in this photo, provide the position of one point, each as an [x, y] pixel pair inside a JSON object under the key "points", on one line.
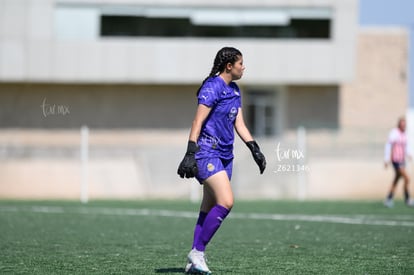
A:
{"points": [[188, 166], [201, 115], [388, 147], [207, 97]]}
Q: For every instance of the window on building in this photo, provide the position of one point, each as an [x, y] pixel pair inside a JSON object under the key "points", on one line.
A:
{"points": [[215, 23], [261, 113]]}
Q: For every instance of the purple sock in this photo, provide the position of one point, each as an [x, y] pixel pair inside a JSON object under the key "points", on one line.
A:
{"points": [[199, 225], [212, 222]]}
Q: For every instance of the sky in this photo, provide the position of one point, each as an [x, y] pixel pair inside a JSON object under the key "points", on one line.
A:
{"points": [[386, 12]]}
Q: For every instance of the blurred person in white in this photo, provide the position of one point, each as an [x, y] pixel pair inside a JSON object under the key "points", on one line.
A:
{"points": [[396, 153]]}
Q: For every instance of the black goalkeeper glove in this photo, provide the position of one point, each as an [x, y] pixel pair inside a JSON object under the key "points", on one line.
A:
{"points": [[258, 156], [188, 166]]}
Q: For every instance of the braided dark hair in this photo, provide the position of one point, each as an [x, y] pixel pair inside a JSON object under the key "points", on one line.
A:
{"points": [[223, 57]]}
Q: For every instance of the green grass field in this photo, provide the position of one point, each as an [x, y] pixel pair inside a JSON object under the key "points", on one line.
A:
{"points": [[154, 237]]}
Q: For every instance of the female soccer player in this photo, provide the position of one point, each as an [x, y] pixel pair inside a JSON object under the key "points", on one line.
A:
{"points": [[396, 153], [209, 155]]}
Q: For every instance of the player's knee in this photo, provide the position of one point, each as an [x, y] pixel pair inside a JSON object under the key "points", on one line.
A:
{"points": [[227, 203], [405, 177]]}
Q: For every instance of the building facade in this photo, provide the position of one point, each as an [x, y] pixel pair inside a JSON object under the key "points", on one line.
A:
{"points": [[129, 70], [148, 57]]}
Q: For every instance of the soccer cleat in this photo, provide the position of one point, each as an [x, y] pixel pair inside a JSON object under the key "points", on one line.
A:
{"points": [[188, 267], [410, 203], [197, 263], [194, 270], [389, 203]]}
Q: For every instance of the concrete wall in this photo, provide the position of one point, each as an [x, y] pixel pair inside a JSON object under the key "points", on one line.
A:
{"points": [[313, 107], [66, 106], [141, 164], [98, 106]]}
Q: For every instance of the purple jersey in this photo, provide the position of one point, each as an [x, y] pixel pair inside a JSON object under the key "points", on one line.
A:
{"points": [[217, 133]]}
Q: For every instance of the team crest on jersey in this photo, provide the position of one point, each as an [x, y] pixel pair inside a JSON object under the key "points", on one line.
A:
{"points": [[232, 113], [210, 167]]}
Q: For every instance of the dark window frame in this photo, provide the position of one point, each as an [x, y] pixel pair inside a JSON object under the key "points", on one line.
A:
{"points": [[141, 26]]}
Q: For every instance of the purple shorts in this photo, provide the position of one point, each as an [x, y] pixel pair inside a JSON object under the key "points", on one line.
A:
{"points": [[210, 166]]}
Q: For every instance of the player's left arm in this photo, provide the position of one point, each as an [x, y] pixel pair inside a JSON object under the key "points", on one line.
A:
{"points": [[241, 127], [246, 136]]}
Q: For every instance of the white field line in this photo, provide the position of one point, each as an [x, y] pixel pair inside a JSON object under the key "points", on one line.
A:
{"points": [[400, 220], [324, 218]]}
